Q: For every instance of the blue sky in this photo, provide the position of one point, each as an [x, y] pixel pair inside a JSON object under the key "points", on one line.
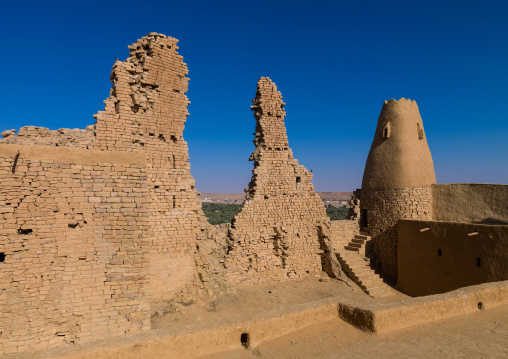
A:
{"points": [[335, 62]]}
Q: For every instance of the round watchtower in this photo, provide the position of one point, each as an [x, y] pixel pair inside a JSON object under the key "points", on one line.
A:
{"points": [[397, 179]]}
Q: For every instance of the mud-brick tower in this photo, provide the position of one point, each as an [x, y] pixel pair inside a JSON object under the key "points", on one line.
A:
{"points": [[397, 179], [274, 236]]}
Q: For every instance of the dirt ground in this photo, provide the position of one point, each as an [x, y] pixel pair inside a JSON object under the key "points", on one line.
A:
{"points": [[483, 334], [249, 300]]}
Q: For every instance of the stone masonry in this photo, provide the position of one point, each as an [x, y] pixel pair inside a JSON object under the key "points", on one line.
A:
{"points": [[384, 210], [274, 236], [146, 113], [74, 246], [64, 137], [92, 234]]}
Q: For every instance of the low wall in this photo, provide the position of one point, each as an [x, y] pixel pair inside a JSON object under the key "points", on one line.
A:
{"points": [[388, 316], [470, 202], [74, 246], [437, 257], [343, 232]]}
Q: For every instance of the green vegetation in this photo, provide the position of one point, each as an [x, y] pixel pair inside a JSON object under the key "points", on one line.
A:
{"points": [[336, 213], [218, 213]]}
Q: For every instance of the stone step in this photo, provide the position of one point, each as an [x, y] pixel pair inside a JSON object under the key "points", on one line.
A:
{"points": [[360, 272], [354, 244], [365, 237], [351, 248], [357, 241]]}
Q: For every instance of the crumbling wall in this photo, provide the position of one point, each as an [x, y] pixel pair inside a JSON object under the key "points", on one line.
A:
{"points": [[146, 113], [73, 246], [64, 137], [343, 231], [274, 236]]}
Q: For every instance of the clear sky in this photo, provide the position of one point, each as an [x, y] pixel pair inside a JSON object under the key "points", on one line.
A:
{"points": [[335, 62]]}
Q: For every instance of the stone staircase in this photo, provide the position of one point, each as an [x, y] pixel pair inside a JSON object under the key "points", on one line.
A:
{"points": [[357, 244], [354, 263]]}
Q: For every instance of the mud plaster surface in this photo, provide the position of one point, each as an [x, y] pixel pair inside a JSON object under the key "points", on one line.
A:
{"points": [[483, 334]]}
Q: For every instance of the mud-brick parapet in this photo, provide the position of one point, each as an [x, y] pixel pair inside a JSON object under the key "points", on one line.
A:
{"points": [[274, 236]]}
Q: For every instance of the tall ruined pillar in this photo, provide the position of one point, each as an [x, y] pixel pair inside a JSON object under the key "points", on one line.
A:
{"points": [[274, 236], [397, 179], [146, 113]]}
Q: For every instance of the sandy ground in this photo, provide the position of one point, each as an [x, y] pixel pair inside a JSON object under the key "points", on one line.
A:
{"points": [[483, 334], [249, 300]]}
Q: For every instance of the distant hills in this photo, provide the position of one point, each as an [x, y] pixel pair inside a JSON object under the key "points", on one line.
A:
{"points": [[240, 197]]}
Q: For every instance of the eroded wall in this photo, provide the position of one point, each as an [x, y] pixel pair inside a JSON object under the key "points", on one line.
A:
{"points": [[64, 137], [436, 257], [92, 234], [146, 113], [470, 202], [343, 231], [274, 236], [74, 246]]}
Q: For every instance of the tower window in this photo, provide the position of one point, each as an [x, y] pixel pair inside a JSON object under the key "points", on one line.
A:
{"points": [[387, 131], [420, 131]]}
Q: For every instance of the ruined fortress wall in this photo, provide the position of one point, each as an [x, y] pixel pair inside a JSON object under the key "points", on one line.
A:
{"points": [[470, 202], [448, 255], [74, 248], [274, 236], [383, 210], [64, 137], [146, 113], [343, 231]]}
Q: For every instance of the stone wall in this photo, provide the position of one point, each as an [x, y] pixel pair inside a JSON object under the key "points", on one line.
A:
{"points": [[437, 257], [382, 211], [146, 113], [64, 137], [342, 232], [470, 202], [74, 246], [274, 236]]}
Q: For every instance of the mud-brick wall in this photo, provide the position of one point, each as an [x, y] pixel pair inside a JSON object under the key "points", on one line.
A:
{"points": [[73, 246], [343, 232], [438, 257], [470, 202], [382, 210]]}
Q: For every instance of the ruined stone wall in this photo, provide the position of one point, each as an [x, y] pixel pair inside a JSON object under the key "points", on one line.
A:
{"points": [[382, 210], [64, 137], [274, 236], [146, 113], [73, 246], [343, 231]]}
